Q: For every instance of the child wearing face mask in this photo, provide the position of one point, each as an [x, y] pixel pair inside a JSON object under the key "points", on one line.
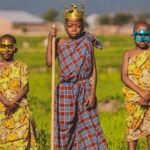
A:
{"points": [[16, 128], [136, 77]]}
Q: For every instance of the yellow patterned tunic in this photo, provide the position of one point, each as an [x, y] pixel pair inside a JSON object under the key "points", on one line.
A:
{"points": [[16, 132], [138, 118]]}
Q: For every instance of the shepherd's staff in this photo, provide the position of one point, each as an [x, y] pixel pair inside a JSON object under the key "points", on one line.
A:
{"points": [[53, 90]]}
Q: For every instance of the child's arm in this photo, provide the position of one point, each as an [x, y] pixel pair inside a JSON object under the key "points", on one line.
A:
{"points": [[5, 101], [127, 81], [21, 94], [124, 74], [52, 34], [12, 105], [90, 102]]}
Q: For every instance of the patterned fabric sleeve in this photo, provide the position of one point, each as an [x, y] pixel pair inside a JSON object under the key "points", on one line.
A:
{"points": [[24, 75], [95, 41]]}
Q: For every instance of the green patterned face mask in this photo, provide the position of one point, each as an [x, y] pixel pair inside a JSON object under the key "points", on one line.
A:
{"points": [[142, 36]]}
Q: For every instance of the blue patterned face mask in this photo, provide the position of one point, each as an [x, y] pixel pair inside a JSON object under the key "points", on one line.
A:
{"points": [[142, 36]]}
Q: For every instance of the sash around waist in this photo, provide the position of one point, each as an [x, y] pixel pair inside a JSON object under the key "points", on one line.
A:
{"points": [[74, 81]]}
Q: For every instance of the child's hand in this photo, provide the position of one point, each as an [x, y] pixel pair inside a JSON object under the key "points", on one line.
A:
{"points": [[145, 94], [10, 108], [143, 102], [91, 80], [10, 104], [90, 101], [53, 32], [8, 112]]}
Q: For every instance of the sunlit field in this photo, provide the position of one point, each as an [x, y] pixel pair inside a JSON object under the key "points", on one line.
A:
{"points": [[32, 51]]}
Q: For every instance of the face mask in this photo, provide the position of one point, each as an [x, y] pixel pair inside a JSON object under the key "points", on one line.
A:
{"points": [[7, 47], [142, 36]]}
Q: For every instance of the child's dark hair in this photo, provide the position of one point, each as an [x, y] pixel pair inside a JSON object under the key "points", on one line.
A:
{"points": [[8, 36], [142, 22]]}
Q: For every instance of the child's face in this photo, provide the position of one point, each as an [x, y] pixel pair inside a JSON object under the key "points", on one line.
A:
{"points": [[7, 48], [74, 27], [141, 36]]}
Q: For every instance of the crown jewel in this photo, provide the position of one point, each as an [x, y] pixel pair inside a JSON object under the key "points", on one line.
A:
{"points": [[74, 13]]}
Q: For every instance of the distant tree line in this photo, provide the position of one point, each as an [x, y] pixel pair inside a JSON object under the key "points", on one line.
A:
{"points": [[123, 18], [119, 18], [50, 15]]}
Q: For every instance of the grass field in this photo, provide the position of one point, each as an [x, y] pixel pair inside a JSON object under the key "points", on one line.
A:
{"points": [[109, 87]]}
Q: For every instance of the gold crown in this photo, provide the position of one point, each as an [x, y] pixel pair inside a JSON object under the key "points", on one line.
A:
{"points": [[74, 13]]}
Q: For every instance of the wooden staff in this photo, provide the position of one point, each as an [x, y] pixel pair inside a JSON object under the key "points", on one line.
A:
{"points": [[53, 92]]}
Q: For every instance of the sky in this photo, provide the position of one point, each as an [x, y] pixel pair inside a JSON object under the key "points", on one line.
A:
{"points": [[91, 6]]}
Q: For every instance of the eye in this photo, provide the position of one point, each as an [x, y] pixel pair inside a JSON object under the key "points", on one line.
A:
{"points": [[69, 25], [79, 26], [146, 35], [10, 46], [138, 36], [2, 46]]}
